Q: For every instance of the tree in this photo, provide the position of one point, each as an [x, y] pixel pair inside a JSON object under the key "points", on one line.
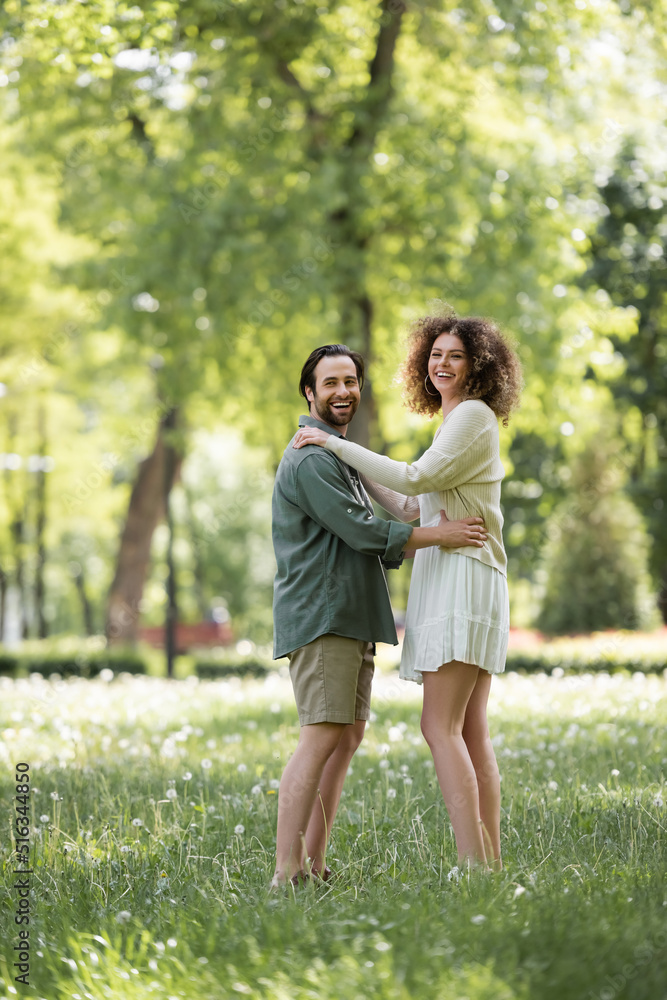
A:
{"points": [[626, 258], [596, 563]]}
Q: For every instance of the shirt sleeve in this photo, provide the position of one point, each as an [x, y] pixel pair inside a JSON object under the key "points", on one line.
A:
{"points": [[461, 451], [404, 508], [323, 493]]}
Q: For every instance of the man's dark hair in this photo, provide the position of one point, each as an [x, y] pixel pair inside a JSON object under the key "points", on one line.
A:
{"points": [[328, 351]]}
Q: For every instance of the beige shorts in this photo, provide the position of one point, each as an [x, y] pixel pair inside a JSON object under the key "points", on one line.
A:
{"points": [[331, 677]]}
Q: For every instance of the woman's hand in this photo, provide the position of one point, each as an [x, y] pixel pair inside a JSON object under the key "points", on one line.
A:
{"points": [[310, 435], [468, 531]]}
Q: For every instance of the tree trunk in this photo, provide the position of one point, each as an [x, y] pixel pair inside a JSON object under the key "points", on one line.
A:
{"points": [[145, 511], [40, 474], [170, 462], [356, 308]]}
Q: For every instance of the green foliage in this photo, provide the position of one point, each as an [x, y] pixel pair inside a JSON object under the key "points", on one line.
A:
{"points": [[232, 666], [40, 660], [596, 561], [627, 258]]}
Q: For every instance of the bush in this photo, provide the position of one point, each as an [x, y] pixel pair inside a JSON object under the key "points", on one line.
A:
{"points": [[597, 560], [232, 666], [604, 652], [69, 658]]}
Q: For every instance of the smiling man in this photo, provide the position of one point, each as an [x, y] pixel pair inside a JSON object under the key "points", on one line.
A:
{"points": [[331, 605]]}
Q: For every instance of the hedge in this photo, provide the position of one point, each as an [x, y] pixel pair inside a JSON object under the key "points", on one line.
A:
{"points": [[74, 664]]}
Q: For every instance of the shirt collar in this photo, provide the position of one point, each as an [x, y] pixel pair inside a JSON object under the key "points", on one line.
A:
{"points": [[305, 420]]}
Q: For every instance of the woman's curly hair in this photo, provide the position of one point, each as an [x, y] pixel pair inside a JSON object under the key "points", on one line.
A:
{"points": [[495, 370]]}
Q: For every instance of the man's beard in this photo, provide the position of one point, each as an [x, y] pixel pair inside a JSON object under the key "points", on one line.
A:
{"points": [[330, 414]]}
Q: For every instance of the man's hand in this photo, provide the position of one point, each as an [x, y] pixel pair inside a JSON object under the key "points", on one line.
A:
{"points": [[310, 435], [469, 531]]}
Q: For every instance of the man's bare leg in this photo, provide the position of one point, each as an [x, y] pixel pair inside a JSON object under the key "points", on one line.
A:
{"points": [[298, 792], [331, 786]]}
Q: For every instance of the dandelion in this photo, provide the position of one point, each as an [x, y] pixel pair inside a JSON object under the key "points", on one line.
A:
{"points": [[382, 946], [171, 942], [256, 789], [615, 772], [44, 818], [137, 822], [124, 849], [454, 875], [478, 919], [123, 917], [391, 793], [172, 793], [210, 810], [241, 768], [553, 785], [519, 891], [187, 776], [210, 744], [658, 801], [239, 828], [274, 783], [384, 763], [54, 796], [407, 781]]}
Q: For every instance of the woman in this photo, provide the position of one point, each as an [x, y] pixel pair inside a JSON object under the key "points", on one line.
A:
{"points": [[457, 622]]}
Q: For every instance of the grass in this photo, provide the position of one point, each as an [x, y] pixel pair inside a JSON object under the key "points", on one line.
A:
{"points": [[153, 827]]}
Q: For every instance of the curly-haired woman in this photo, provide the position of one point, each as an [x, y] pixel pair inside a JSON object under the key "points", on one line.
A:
{"points": [[457, 621]]}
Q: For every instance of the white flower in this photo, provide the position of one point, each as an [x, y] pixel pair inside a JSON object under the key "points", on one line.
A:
{"points": [[553, 785], [206, 763], [274, 783], [479, 919], [384, 763], [239, 829], [44, 818], [137, 822], [382, 946], [187, 776], [171, 942], [615, 772], [454, 875], [54, 796], [256, 789], [519, 891], [407, 781], [210, 810], [391, 793], [172, 793], [124, 849], [123, 916], [241, 768], [658, 801]]}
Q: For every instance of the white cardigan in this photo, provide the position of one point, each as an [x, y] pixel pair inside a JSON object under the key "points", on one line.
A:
{"points": [[462, 465]]}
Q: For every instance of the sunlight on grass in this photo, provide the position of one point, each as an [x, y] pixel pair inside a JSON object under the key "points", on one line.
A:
{"points": [[153, 829]]}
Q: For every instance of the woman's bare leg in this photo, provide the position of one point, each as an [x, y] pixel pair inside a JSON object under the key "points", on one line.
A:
{"points": [[482, 755], [446, 695]]}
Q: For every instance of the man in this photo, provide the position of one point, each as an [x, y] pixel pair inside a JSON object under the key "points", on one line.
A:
{"points": [[331, 605]]}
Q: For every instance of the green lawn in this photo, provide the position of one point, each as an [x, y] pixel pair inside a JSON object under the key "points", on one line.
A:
{"points": [[153, 812]]}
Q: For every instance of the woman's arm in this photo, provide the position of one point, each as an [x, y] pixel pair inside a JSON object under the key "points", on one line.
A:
{"points": [[463, 448], [404, 508]]}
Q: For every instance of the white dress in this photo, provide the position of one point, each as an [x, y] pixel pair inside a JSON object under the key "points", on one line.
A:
{"points": [[458, 608]]}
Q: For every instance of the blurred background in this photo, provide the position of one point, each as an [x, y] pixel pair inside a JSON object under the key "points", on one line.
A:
{"points": [[195, 195]]}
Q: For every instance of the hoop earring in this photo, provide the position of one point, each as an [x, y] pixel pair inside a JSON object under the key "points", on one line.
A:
{"points": [[427, 389]]}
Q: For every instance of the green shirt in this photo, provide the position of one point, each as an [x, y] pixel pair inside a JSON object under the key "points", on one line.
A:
{"points": [[329, 549]]}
